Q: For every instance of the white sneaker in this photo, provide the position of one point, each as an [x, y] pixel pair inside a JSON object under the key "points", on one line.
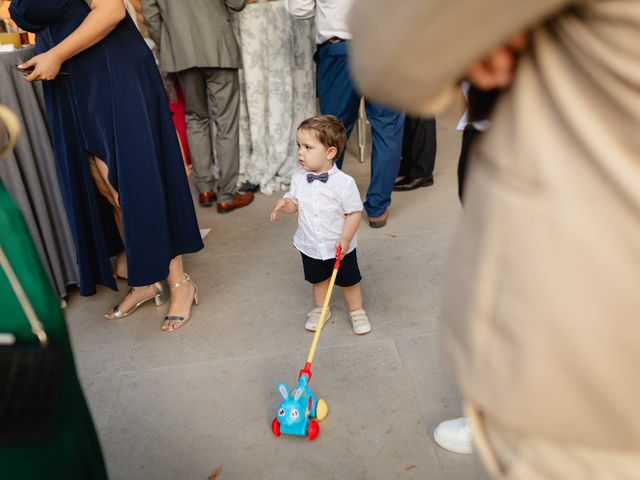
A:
{"points": [[454, 435], [313, 317], [360, 322]]}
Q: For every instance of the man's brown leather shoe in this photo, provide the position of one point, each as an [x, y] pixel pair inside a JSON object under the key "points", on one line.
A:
{"points": [[381, 221], [239, 200], [206, 199]]}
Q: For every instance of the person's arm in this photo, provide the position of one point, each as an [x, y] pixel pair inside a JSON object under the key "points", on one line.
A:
{"points": [[301, 9], [351, 224], [412, 54], [9, 130], [283, 205], [105, 15], [153, 19], [235, 5]]}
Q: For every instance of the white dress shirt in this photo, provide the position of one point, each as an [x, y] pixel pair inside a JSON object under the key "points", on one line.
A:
{"points": [[480, 125], [321, 211], [330, 16]]}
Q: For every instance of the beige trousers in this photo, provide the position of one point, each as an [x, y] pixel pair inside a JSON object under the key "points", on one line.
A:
{"points": [[509, 455], [212, 95]]}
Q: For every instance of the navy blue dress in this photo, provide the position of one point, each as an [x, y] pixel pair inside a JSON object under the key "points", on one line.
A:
{"points": [[113, 105]]}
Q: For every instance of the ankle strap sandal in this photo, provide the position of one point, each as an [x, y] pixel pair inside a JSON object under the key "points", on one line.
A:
{"points": [[196, 300]]}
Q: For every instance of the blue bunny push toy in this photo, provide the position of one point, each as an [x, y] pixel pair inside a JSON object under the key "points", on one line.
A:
{"points": [[300, 410]]}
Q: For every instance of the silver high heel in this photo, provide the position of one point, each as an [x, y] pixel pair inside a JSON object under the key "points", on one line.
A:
{"points": [[196, 299], [158, 298]]}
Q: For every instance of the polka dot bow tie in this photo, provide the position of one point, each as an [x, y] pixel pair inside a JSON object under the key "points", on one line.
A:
{"points": [[323, 177]]}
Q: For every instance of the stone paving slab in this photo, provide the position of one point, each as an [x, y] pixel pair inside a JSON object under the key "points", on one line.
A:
{"points": [[179, 405]]}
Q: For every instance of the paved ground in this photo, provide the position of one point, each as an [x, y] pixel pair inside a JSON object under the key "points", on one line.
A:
{"points": [[179, 405]]}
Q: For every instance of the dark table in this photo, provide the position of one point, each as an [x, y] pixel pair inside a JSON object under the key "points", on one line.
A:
{"points": [[29, 174]]}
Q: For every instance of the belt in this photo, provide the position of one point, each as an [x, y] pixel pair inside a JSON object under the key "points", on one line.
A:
{"points": [[332, 41]]}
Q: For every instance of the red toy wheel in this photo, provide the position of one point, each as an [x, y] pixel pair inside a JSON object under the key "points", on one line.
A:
{"points": [[313, 429], [275, 427]]}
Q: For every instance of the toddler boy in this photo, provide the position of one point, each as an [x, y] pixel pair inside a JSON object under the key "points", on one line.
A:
{"points": [[329, 211]]}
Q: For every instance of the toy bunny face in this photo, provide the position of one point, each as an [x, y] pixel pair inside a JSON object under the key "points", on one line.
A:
{"points": [[293, 409]]}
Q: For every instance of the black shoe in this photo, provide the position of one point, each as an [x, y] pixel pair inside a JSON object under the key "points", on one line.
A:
{"points": [[408, 183], [249, 187]]}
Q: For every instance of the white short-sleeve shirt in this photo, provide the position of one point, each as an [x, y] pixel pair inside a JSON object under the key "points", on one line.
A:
{"points": [[330, 16], [321, 211]]}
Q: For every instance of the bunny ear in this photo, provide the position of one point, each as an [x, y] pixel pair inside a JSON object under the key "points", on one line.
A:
{"points": [[298, 394], [282, 388]]}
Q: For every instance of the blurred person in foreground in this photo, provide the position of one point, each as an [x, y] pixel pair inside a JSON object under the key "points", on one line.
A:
{"points": [[73, 450], [541, 301]]}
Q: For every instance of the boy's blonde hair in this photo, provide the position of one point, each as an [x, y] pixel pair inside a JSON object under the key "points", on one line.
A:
{"points": [[329, 130]]}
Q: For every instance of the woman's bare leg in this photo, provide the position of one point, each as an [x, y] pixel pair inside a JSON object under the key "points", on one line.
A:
{"points": [[100, 175], [181, 296]]}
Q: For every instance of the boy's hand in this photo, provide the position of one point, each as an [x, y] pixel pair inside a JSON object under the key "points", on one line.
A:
{"points": [[344, 243], [280, 204]]}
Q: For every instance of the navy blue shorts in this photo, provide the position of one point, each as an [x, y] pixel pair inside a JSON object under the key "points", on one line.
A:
{"points": [[316, 271]]}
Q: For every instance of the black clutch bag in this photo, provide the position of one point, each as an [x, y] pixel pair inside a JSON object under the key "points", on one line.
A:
{"points": [[31, 379]]}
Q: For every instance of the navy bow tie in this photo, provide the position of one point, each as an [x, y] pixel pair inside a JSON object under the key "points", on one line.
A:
{"points": [[323, 177]]}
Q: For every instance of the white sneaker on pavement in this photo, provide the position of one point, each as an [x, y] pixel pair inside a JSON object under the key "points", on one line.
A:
{"points": [[313, 317], [359, 322], [454, 435]]}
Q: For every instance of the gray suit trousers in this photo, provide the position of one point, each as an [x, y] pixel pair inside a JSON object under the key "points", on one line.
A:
{"points": [[212, 94]]}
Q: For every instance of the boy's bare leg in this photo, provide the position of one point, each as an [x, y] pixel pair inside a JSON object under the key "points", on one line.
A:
{"points": [[353, 297], [320, 291], [359, 321]]}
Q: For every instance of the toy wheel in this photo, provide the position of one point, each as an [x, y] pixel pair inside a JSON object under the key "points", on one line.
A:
{"points": [[275, 427], [313, 429], [321, 410]]}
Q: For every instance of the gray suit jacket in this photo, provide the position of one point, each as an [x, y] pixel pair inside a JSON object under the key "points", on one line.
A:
{"points": [[193, 33], [541, 307]]}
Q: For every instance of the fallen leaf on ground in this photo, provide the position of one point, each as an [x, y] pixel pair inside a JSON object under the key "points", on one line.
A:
{"points": [[215, 473]]}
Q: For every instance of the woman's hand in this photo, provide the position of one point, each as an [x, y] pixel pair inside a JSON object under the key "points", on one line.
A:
{"points": [[46, 66]]}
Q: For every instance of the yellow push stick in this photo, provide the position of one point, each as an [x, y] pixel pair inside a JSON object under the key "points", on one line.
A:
{"points": [[323, 315]]}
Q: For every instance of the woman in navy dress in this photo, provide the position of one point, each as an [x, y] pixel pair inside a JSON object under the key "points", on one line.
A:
{"points": [[118, 159]]}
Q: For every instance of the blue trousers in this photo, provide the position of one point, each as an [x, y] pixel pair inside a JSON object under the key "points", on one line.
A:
{"points": [[338, 97]]}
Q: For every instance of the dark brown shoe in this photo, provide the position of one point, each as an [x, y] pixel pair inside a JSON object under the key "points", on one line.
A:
{"points": [[239, 200], [381, 221], [206, 199]]}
